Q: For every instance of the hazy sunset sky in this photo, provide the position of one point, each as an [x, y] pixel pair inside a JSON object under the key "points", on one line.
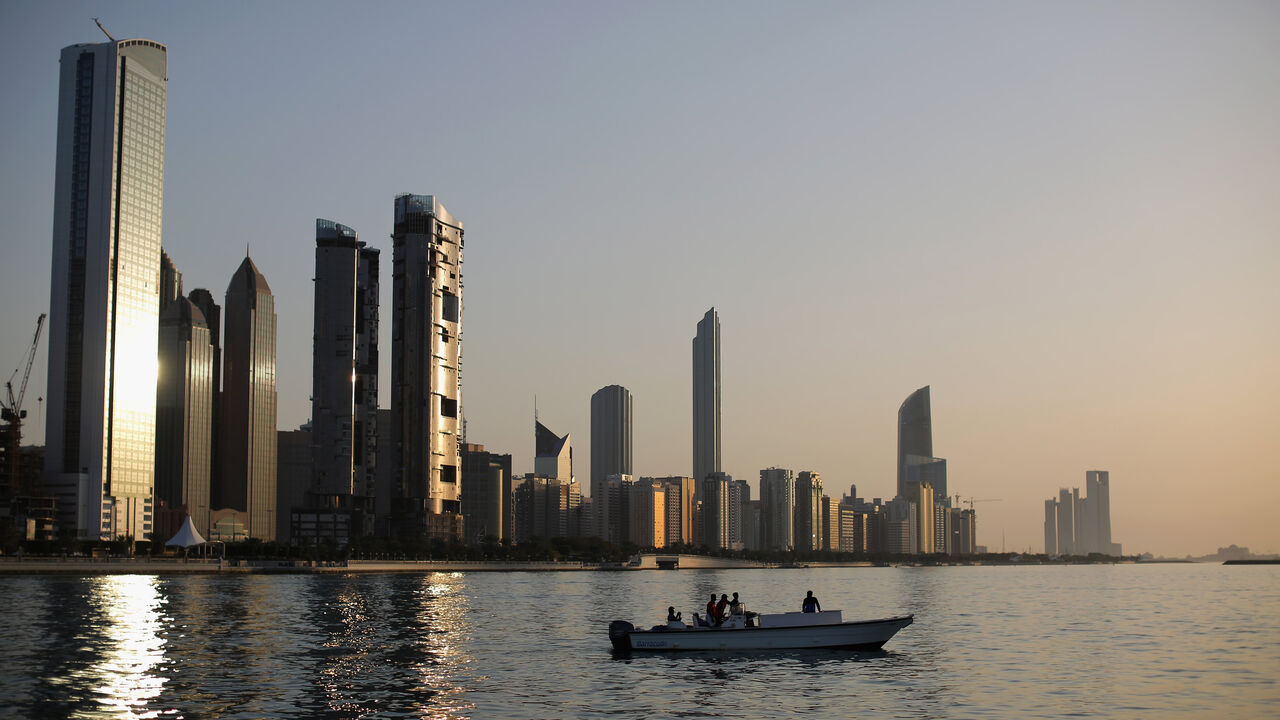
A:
{"points": [[1064, 217]]}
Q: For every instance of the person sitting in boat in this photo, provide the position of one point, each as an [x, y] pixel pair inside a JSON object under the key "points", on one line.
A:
{"points": [[672, 615], [699, 622], [811, 603], [735, 605]]}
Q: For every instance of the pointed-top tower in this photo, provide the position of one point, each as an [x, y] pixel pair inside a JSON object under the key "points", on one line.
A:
{"points": [[247, 481]]}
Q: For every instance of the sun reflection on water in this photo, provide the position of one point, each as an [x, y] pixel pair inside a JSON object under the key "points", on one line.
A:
{"points": [[444, 629], [125, 680]]}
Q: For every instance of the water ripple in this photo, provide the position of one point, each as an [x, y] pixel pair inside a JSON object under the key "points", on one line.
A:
{"points": [[1041, 642]]}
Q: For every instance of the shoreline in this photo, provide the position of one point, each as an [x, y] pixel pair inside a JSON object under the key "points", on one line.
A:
{"points": [[178, 566]]}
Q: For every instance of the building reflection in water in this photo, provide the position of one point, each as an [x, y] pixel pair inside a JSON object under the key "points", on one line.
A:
{"points": [[396, 643], [126, 678]]}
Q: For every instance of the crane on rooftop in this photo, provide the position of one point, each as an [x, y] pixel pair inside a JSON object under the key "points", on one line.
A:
{"points": [[104, 30], [971, 501]]}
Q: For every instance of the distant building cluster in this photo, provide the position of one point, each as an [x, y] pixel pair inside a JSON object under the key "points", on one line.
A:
{"points": [[793, 512], [162, 405], [1075, 525]]}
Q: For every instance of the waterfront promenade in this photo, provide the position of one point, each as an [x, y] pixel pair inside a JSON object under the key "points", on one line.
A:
{"points": [[168, 565]]}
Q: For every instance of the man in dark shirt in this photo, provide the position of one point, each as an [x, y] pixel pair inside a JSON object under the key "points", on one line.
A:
{"points": [[811, 603]]}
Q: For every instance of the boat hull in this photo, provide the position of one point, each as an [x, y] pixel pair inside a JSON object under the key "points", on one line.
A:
{"points": [[858, 635]]}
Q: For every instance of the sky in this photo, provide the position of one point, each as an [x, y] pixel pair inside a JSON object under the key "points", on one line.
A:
{"points": [[1064, 217]]}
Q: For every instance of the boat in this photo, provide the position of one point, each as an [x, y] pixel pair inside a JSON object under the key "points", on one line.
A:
{"points": [[748, 631]]}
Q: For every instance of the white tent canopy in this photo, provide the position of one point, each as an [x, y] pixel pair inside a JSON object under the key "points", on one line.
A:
{"points": [[187, 536]]}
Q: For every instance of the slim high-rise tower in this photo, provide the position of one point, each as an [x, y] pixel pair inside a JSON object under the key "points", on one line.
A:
{"points": [[808, 511], [1051, 527], [610, 442], [184, 411], [1099, 481], [426, 337], [344, 377], [212, 312], [248, 432], [915, 433], [104, 301], [706, 399]]}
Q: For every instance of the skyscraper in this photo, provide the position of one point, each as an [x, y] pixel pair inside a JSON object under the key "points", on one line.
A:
{"points": [[777, 509], [1099, 482], [552, 454], [715, 511], [344, 377], [610, 441], [739, 513], [1075, 525], [184, 411], [706, 399], [212, 312], [426, 338], [248, 433], [1051, 527], [808, 511], [104, 299], [170, 281], [1066, 523], [915, 433]]}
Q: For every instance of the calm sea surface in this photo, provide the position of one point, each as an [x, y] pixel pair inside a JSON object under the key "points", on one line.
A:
{"points": [[1158, 641]]}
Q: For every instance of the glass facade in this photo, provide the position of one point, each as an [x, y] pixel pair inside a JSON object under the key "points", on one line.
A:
{"points": [[104, 301], [344, 396], [915, 433], [706, 398], [247, 479], [184, 412]]}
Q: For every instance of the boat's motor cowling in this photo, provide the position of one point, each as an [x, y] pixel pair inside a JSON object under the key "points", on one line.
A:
{"points": [[619, 634]]}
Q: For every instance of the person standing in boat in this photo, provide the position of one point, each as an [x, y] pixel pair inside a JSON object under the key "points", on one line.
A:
{"points": [[735, 605], [722, 608], [713, 617], [811, 603]]}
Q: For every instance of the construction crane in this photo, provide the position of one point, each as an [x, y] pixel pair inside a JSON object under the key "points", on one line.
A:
{"points": [[12, 413], [971, 501]]}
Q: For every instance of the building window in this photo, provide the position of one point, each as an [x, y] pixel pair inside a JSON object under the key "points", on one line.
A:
{"points": [[449, 307]]}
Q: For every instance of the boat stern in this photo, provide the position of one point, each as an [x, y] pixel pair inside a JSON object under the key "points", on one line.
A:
{"points": [[620, 634]]}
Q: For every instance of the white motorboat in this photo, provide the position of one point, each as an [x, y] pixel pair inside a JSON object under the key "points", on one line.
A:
{"points": [[777, 631]]}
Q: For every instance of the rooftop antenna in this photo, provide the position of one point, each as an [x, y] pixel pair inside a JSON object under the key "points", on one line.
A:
{"points": [[104, 30]]}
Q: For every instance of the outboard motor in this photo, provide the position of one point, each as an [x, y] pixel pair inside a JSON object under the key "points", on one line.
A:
{"points": [[618, 634]]}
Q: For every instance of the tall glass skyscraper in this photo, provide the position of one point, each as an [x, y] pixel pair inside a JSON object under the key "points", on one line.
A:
{"points": [[249, 452], [184, 411], [915, 433], [344, 377], [426, 337], [610, 442], [104, 292], [706, 399]]}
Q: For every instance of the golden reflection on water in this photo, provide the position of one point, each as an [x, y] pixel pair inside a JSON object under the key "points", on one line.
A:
{"points": [[444, 629], [125, 677]]}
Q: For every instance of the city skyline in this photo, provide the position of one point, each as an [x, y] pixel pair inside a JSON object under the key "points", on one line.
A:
{"points": [[1060, 328]]}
